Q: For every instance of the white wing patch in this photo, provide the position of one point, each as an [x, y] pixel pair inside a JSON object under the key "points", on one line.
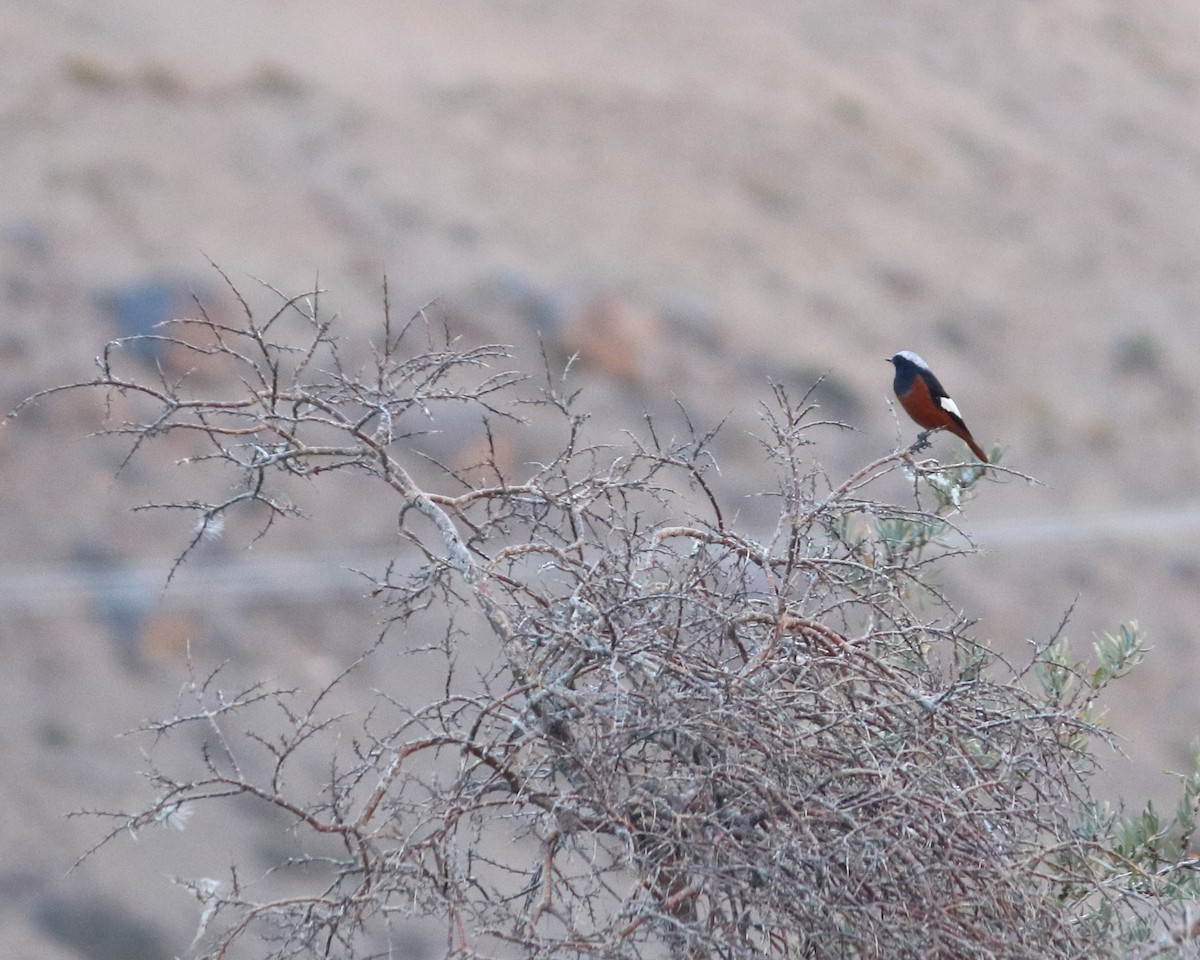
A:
{"points": [[950, 407]]}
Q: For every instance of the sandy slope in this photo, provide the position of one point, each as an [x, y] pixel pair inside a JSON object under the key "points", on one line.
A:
{"points": [[769, 187]]}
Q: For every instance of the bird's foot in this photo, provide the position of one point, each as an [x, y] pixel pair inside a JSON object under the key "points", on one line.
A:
{"points": [[922, 441]]}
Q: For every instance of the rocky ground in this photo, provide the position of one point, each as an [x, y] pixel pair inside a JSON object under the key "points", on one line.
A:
{"points": [[696, 197]]}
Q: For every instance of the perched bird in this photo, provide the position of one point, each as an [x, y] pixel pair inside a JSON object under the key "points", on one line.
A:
{"points": [[926, 401]]}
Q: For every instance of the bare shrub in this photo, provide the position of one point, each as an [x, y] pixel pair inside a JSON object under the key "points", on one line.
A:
{"points": [[686, 741]]}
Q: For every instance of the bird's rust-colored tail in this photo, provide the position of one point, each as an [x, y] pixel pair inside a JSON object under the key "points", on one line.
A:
{"points": [[965, 435]]}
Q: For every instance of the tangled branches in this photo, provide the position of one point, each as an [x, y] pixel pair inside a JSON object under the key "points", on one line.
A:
{"points": [[687, 740]]}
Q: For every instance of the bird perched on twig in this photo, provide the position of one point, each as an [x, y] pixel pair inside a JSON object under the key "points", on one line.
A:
{"points": [[926, 401]]}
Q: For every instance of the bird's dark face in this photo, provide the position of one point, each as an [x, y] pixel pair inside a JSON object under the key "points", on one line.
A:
{"points": [[906, 359], [907, 365]]}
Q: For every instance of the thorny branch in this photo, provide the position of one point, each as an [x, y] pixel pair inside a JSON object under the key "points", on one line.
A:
{"points": [[691, 741]]}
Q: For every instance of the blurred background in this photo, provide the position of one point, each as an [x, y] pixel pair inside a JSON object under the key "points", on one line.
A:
{"points": [[697, 198]]}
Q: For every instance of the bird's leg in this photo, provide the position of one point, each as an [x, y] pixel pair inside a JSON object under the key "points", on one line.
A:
{"points": [[922, 441]]}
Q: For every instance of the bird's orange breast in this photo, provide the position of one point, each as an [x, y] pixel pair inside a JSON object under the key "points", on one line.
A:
{"points": [[920, 405]]}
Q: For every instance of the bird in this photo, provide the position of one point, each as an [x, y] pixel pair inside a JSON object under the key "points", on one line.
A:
{"points": [[926, 401]]}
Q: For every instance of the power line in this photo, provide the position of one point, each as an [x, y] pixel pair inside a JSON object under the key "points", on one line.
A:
{"points": [[287, 578], [1146, 524], [274, 577]]}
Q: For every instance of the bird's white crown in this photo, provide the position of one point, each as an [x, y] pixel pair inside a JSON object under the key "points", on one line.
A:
{"points": [[913, 359]]}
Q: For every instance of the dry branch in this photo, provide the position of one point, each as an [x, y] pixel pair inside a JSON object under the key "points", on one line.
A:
{"points": [[694, 744]]}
